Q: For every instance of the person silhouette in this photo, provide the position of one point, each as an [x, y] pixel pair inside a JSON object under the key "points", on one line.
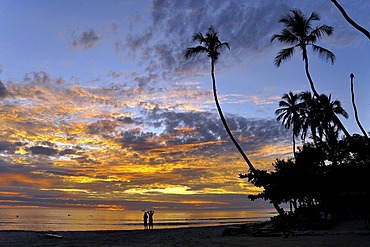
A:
{"points": [[150, 213], [145, 220]]}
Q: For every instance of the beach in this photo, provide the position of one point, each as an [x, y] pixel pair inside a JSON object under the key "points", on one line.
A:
{"points": [[347, 234]]}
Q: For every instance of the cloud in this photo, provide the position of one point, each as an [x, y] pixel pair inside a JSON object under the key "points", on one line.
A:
{"points": [[67, 151], [195, 133], [37, 77], [158, 48], [124, 141], [246, 26], [7, 146], [86, 40], [22, 175], [43, 150], [3, 90]]}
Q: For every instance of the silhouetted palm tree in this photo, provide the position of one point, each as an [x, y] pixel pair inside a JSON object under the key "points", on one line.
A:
{"points": [[310, 115], [350, 21], [327, 122], [299, 33], [211, 45], [290, 112], [355, 108]]}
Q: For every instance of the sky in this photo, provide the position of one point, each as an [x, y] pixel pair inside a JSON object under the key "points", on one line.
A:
{"points": [[100, 109]]}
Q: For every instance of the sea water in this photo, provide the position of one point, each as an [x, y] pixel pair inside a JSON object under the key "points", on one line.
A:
{"points": [[91, 220]]}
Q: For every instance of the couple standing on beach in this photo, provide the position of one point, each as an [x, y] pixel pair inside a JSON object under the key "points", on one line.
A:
{"points": [[149, 215]]}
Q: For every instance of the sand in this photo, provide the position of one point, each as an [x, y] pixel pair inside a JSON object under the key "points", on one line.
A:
{"points": [[349, 234]]}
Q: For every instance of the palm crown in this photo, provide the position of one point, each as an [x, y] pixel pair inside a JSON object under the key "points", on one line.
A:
{"points": [[299, 32], [209, 44], [289, 109], [290, 114]]}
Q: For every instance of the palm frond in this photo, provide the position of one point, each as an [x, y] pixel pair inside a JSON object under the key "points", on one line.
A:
{"points": [[214, 53], [313, 17], [223, 44], [324, 53], [338, 109], [295, 17], [193, 51], [285, 19], [275, 36], [321, 31], [283, 104], [284, 55], [280, 115], [286, 36], [199, 37]]}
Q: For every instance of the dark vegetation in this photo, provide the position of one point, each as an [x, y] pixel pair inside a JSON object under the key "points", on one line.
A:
{"points": [[327, 179]]}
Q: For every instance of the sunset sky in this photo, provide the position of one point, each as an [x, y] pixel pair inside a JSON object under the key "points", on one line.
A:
{"points": [[99, 108]]}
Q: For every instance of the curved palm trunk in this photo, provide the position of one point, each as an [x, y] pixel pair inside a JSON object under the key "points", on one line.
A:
{"points": [[251, 167], [355, 108], [335, 118], [350, 21]]}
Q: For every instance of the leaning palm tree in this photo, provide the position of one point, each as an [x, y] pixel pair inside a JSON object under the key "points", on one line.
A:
{"points": [[211, 45], [355, 108], [299, 33], [289, 113]]}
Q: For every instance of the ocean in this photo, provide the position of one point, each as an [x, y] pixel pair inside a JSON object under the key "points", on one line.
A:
{"points": [[91, 220]]}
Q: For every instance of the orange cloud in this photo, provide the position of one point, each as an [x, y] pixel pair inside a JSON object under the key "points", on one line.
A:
{"points": [[16, 179]]}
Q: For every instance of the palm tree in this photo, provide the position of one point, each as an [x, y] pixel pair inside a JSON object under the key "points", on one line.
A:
{"points": [[211, 45], [349, 19], [310, 115], [299, 32], [327, 123], [333, 106], [290, 113], [355, 108]]}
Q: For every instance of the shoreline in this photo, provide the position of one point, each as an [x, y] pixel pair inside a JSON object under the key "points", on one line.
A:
{"points": [[349, 234]]}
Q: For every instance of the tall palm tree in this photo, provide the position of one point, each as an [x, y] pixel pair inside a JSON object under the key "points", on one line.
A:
{"points": [[355, 108], [350, 21], [211, 45], [299, 33], [290, 114]]}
